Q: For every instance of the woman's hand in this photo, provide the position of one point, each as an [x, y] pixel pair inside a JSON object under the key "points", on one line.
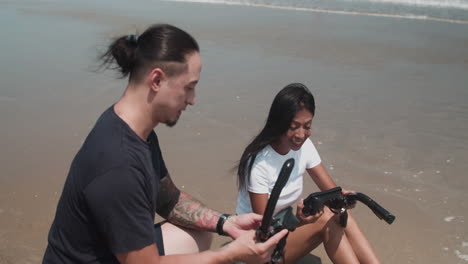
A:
{"points": [[306, 219], [345, 192]]}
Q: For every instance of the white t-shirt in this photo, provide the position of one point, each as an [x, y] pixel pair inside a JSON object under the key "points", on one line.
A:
{"points": [[265, 172]]}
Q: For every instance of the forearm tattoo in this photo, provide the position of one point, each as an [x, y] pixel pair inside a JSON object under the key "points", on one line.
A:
{"points": [[168, 196], [191, 213], [182, 209]]}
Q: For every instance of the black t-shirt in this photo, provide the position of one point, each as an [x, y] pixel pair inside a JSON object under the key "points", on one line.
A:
{"points": [[109, 199]]}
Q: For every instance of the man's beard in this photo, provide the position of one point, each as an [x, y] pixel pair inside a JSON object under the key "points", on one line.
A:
{"points": [[171, 123]]}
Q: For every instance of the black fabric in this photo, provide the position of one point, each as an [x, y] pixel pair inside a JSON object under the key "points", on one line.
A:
{"points": [[159, 239], [109, 199]]}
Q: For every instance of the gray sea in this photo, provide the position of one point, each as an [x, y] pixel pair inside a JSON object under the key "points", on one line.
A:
{"points": [[448, 10]]}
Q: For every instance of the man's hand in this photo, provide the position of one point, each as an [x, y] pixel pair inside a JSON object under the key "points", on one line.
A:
{"points": [[236, 225], [246, 249]]}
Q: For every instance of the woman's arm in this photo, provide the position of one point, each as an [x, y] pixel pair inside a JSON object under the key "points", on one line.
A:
{"points": [[321, 177], [323, 180], [259, 202]]}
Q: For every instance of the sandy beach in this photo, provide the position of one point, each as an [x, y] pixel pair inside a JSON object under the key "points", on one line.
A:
{"points": [[391, 120]]}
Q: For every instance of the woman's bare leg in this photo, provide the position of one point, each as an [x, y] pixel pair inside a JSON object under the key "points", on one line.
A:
{"points": [[360, 244], [327, 230]]}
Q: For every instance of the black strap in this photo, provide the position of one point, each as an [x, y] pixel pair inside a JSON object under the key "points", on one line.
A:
{"points": [[220, 224], [275, 193]]}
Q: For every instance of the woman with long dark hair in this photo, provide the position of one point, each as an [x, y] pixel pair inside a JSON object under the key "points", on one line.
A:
{"points": [[286, 135]]}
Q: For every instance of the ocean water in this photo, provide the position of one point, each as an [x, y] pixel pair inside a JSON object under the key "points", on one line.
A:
{"points": [[443, 10]]}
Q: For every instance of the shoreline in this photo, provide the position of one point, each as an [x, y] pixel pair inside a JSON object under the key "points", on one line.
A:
{"points": [[326, 11]]}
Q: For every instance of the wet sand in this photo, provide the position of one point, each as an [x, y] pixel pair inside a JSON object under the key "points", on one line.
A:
{"points": [[391, 115]]}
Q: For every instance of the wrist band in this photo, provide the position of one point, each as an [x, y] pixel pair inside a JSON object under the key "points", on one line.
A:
{"points": [[220, 224]]}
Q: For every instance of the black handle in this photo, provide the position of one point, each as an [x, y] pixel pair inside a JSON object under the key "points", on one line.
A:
{"points": [[378, 210], [283, 177]]}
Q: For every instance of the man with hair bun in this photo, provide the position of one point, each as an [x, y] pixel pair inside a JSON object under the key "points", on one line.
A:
{"points": [[118, 179]]}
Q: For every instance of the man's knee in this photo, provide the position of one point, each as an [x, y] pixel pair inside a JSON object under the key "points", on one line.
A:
{"points": [[204, 240], [180, 240]]}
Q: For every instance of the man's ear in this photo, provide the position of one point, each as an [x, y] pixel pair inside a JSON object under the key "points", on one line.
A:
{"points": [[155, 78]]}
